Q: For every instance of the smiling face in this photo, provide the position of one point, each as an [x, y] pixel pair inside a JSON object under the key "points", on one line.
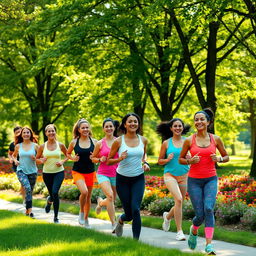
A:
{"points": [[50, 132], [84, 129], [131, 124], [26, 134], [201, 121], [108, 128], [177, 128]]}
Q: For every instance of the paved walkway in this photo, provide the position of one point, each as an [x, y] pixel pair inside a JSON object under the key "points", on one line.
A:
{"points": [[151, 236]]}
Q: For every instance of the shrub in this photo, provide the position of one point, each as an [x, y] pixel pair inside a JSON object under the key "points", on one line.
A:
{"points": [[231, 212], [149, 197], [188, 211], [249, 218], [159, 206], [70, 192], [95, 193], [39, 187]]}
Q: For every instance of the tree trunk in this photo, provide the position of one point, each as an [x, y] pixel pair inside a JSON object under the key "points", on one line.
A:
{"points": [[252, 118], [253, 167]]}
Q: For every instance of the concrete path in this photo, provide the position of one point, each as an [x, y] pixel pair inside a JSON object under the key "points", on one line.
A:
{"points": [[151, 236]]}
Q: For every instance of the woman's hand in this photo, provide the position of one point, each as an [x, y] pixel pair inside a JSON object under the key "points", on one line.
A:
{"points": [[76, 158], [33, 157], [170, 157], [195, 159], [60, 163], [123, 155], [16, 162], [146, 167], [103, 159]]}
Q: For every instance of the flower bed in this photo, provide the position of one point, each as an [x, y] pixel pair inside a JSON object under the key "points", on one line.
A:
{"points": [[236, 199]]}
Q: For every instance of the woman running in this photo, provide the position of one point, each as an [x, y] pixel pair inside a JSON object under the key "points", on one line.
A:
{"points": [[106, 174], [130, 181], [26, 149], [202, 176], [49, 154], [83, 168], [175, 174]]}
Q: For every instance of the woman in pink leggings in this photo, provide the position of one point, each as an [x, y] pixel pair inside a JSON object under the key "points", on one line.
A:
{"points": [[202, 177]]}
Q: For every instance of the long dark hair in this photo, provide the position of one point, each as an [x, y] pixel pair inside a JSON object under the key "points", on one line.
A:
{"points": [[19, 138], [123, 129], [164, 128], [114, 122]]}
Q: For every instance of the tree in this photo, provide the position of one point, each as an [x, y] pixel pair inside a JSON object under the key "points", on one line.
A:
{"points": [[25, 68]]}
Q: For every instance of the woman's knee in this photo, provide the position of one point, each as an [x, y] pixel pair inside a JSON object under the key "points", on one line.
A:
{"points": [[178, 201], [208, 211], [110, 196]]}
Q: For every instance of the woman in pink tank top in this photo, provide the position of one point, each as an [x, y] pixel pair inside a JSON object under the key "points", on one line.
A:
{"points": [[202, 177], [106, 174]]}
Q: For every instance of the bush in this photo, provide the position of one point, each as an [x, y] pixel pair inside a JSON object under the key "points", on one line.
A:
{"points": [[70, 192], [39, 187], [249, 218], [230, 213], [95, 193], [188, 211], [149, 197], [159, 206]]}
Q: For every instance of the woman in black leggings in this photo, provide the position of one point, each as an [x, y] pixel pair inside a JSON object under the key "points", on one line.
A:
{"points": [[49, 154]]}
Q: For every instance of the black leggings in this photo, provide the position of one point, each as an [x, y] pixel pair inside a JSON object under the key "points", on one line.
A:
{"points": [[53, 183], [130, 191]]}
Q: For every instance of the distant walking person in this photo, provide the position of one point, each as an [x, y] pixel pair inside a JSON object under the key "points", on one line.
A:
{"points": [[26, 148], [202, 176], [175, 174], [106, 174], [49, 154], [16, 132], [83, 168], [130, 182]]}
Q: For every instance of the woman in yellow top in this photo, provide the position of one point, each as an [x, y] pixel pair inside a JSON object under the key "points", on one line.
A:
{"points": [[49, 154]]}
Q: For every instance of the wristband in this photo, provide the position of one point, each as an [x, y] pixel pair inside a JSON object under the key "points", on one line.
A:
{"points": [[145, 162], [221, 159]]}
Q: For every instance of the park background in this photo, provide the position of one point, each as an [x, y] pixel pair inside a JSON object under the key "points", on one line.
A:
{"points": [[67, 59]]}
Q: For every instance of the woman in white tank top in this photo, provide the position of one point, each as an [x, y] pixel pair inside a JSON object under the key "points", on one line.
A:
{"points": [[130, 182]]}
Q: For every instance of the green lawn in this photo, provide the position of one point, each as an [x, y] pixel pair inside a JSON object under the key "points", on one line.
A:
{"points": [[240, 237], [23, 236]]}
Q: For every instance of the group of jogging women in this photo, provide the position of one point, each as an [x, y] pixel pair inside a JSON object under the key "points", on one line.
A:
{"points": [[189, 166]]}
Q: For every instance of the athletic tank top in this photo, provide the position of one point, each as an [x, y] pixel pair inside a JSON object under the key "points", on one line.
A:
{"points": [[104, 169], [206, 167], [53, 156], [132, 165], [84, 164], [173, 166], [27, 165]]}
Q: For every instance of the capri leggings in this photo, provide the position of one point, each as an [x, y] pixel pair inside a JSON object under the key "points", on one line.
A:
{"points": [[27, 181], [202, 194]]}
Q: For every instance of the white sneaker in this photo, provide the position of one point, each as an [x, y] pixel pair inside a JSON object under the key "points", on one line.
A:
{"points": [[86, 224], [166, 223], [180, 236], [98, 207], [81, 220]]}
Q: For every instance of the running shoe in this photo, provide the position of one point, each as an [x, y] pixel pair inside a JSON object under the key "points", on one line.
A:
{"points": [[192, 239], [119, 227], [81, 220], [31, 215], [166, 223], [56, 220], [86, 223], [48, 205], [98, 207], [209, 250], [180, 236]]}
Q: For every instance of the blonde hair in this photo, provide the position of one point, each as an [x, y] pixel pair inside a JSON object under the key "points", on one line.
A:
{"points": [[76, 133], [50, 125]]}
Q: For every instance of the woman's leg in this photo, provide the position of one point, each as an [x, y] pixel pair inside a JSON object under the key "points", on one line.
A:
{"points": [[57, 181], [48, 181], [176, 211], [123, 189], [210, 192], [109, 200], [195, 190], [137, 192], [83, 193], [87, 205], [24, 181]]}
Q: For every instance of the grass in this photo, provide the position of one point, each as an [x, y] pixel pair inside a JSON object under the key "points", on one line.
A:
{"points": [[240, 237], [22, 236]]}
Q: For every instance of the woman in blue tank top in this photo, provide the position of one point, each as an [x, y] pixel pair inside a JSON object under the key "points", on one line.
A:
{"points": [[83, 169], [130, 182], [26, 148], [175, 174]]}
